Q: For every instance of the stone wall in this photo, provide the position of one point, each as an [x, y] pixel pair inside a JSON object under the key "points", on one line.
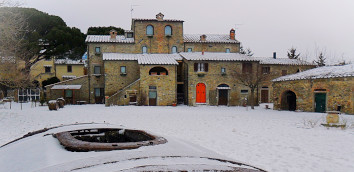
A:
{"points": [[212, 47], [166, 85], [115, 80], [339, 91], [276, 72], [213, 78], [79, 95], [159, 42]]}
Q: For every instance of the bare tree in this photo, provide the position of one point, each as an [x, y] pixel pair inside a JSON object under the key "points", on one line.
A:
{"points": [[14, 72], [252, 79]]}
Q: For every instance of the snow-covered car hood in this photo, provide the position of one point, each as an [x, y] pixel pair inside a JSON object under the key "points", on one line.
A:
{"points": [[41, 151]]}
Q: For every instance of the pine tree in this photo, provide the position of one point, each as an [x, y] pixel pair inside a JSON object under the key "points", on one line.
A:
{"points": [[247, 52], [292, 53], [321, 60]]}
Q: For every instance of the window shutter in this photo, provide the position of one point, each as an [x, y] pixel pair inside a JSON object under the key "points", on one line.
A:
{"points": [[195, 67], [206, 67]]}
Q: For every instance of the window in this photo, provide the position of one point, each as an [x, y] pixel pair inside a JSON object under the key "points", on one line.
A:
{"points": [[144, 50], [174, 50], [266, 70], [152, 87], [98, 50], [227, 50], [223, 70], [97, 70], [97, 92], [168, 30], [129, 35], [246, 67], [158, 71], [47, 69], [190, 50], [70, 68], [123, 69], [284, 72], [25, 95], [149, 30], [200, 67], [244, 91]]}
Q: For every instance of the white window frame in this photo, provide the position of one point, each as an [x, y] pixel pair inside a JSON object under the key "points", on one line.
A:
{"points": [[201, 67]]}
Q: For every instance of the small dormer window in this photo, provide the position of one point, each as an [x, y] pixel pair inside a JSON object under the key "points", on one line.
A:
{"points": [[168, 31], [149, 30], [227, 50], [129, 35]]}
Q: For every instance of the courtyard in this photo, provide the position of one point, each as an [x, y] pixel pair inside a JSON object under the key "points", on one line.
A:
{"points": [[272, 140]]}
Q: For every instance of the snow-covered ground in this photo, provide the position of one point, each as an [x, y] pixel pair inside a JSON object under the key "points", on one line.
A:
{"points": [[272, 140]]}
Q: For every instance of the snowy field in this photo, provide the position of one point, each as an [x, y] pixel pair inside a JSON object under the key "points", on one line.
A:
{"points": [[272, 140]]}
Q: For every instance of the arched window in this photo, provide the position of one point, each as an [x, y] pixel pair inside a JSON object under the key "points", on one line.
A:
{"points": [[174, 50], [149, 30], [144, 50], [168, 30], [158, 71]]}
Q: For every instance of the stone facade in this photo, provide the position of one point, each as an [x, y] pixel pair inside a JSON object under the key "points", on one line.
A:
{"points": [[165, 85], [213, 78], [276, 71], [338, 91]]}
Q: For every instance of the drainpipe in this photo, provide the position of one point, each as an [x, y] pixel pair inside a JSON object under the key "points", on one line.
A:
{"points": [[89, 74]]}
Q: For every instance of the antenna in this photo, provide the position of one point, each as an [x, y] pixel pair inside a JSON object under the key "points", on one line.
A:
{"points": [[132, 9]]}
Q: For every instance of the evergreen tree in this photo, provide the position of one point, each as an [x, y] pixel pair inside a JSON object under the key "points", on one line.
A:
{"points": [[104, 30], [247, 52], [292, 53], [320, 60]]}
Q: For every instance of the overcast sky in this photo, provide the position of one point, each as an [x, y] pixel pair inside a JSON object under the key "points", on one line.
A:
{"points": [[264, 26]]}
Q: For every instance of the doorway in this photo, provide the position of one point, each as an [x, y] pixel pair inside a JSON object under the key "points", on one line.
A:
{"points": [[201, 93], [264, 95], [152, 98], [320, 102], [99, 95], [223, 94], [68, 96], [288, 101]]}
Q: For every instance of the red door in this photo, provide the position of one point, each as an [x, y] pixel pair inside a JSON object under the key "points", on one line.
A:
{"points": [[201, 94]]}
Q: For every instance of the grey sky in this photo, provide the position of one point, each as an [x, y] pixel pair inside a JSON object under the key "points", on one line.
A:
{"points": [[264, 26]]}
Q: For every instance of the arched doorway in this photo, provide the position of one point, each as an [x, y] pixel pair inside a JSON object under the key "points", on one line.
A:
{"points": [[200, 93], [288, 101], [223, 94]]}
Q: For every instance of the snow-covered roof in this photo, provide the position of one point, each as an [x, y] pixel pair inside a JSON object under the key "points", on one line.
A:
{"points": [[108, 39], [66, 87], [168, 20], [217, 56], [68, 61], [210, 38], [161, 59], [282, 61], [321, 72], [69, 76]]}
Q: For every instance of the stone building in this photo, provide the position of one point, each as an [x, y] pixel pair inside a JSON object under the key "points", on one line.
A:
{"points": [[317, 90], [155, 63]]}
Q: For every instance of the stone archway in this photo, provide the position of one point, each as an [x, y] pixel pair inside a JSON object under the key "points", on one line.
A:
{"points": [[288, 101]]}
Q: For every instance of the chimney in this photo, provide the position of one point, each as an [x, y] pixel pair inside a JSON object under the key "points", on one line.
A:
{"points": [[232, 34], [113, 34], [274, 55], [159, 17], [203, 38]]}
